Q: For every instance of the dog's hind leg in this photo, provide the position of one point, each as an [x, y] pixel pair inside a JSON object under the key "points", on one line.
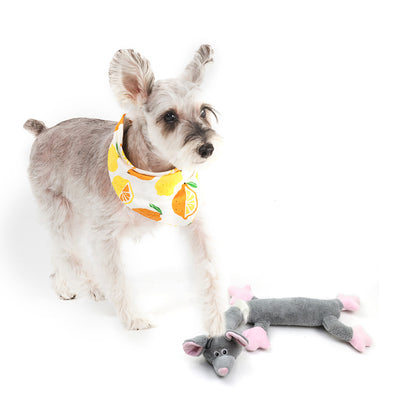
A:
{"points": [[111, 280], [66, 278], [94, 291]]}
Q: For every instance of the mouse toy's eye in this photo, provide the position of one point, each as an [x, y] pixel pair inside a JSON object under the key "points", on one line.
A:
{"points": [[224, 352], [217, 354], [170, 117]]}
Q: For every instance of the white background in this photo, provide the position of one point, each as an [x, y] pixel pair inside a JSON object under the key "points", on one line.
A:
{"points": [[314, 194]]}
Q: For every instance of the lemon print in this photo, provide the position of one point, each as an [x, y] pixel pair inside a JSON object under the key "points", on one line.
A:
{"points": [[112, 159], [166, 184], [185, 202], [123, 189], [191, 202]]}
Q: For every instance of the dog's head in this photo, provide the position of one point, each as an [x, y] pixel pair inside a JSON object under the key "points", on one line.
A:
{"points": [[173, 118]]}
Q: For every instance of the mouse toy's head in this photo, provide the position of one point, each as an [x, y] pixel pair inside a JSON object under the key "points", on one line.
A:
{"points": [[221, 352]]}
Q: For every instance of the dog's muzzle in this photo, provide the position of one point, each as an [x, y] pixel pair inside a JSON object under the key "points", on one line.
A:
{"points": [[206, 150]]}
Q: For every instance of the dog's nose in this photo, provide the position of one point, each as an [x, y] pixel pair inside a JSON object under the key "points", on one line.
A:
{"points": [[206, 150]]}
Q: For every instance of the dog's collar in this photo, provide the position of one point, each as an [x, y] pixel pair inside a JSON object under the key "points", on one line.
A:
{"points": [[169, 197]]}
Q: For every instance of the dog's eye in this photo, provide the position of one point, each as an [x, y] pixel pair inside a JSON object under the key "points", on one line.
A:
{"points": [[204, 112], [217, 354], [224, 352], [170, 117]]}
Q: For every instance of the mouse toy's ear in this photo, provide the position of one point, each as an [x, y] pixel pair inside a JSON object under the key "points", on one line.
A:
{"points": [[195, 346], [241, 339], [195, 70]]}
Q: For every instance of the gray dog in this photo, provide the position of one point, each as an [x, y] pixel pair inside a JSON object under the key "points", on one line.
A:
{"points": [[166, 132]]}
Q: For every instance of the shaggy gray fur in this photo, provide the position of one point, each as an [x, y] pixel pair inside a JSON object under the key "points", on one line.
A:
{"points": [[69, 178]]}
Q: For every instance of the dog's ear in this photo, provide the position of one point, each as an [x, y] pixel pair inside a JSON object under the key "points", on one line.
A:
{"points": [[195, 70], [195, 346], [131, 77]]}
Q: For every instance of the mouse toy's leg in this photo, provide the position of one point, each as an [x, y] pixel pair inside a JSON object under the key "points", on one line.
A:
{"points": [[356, 336], [234, 318], [257, 336], [240, 293], [349, 302]]}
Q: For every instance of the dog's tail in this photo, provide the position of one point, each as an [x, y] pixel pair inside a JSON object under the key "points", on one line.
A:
{"points": [[35, 126]]}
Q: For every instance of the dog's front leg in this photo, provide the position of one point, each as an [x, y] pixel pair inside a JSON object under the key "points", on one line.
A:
{"points": [[113, 283], [213, 295]]}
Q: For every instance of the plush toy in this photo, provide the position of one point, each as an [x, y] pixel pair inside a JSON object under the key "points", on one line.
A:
{"points": [[222, 351]]}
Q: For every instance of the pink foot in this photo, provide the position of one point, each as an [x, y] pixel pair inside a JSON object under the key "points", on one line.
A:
{"points": [[360, 339], [257, 338], [243, 293], [350, 302]]}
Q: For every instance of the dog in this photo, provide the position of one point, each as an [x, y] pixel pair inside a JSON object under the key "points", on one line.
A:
{"points": [[167, 128]]}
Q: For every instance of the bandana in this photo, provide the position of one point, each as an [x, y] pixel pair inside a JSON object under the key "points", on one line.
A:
{"points": [[169, 197]]}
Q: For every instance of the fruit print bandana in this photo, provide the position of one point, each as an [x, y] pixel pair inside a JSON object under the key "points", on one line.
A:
{"points": [[169, 197]]}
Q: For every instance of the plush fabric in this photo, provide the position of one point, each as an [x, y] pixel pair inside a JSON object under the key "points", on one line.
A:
{"points": [[360, 339], [240, 293], [257, 338], [221, 352], [293, 311]]}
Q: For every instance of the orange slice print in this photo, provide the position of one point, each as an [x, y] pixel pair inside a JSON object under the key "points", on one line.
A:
{"points": [[123, 189], [126, 195], [153, 215], [140, 175]]}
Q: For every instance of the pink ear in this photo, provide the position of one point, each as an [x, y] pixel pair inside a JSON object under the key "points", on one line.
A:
{"points": [[238, 337], [191, 348]]}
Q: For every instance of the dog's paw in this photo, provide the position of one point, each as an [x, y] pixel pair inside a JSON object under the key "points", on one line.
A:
{"points": [[62, 288], [136, 324], [134, 321], [95, 294]]}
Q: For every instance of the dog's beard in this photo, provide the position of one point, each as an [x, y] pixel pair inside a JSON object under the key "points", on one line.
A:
{"points": [[188, 158]]}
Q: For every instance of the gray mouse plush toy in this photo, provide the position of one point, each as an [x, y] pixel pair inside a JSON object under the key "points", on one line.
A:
{"points": [[222, 351]]}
